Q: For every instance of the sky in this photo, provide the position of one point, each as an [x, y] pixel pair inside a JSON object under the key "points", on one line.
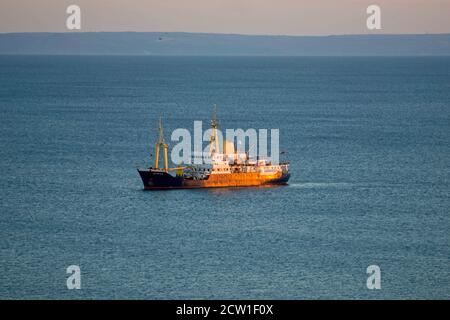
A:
{"points": [[274, 17]]}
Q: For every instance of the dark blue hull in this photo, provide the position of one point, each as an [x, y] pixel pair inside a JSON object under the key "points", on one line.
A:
{"points": [[154, 179]]}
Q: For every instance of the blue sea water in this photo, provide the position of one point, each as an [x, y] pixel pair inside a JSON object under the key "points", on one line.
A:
{"points": [[369, 144]]}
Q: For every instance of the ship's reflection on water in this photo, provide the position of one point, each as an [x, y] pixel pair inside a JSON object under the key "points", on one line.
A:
{"points": [[230, 191]]}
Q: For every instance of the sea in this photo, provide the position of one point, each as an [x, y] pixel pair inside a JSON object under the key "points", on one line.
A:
{"points": [[367, 138]]}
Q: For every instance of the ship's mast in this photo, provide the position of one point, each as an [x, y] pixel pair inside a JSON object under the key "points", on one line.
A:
{"points": [[214, 145], [160, 143]]}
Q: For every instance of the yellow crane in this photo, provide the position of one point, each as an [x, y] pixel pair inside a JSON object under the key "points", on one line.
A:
{"points": [[160, 143]]}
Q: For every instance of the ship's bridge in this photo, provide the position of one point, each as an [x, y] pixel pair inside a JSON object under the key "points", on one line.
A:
{"points": [[219, 164]]}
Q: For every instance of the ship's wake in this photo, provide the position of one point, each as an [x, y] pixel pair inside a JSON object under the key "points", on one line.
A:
{"points": [[314, 185]]}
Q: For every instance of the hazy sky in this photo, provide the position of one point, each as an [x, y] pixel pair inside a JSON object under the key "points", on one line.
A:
{"points": [[289, 17]]}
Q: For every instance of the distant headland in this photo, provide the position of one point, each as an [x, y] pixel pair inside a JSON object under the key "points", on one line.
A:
{"points": [[207, 44]]}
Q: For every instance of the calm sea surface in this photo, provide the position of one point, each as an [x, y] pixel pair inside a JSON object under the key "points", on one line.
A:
{"points": [[369, 144]]}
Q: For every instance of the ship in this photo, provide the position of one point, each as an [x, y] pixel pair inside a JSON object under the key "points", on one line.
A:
{"points": [[226, 168]]}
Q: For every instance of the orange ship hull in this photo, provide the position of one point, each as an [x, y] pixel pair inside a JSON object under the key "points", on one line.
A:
{"points": [[157, 179]]}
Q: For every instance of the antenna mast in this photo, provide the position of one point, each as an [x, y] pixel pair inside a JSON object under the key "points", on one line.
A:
{"points": [[214, 145]]}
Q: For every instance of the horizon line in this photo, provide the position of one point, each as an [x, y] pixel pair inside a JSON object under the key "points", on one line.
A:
{"points": [[228, 34]]}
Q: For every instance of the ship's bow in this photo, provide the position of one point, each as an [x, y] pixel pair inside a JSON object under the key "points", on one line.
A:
{"points": [[159, 179]]}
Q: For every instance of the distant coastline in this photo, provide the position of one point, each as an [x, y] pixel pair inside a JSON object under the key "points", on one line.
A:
{"points": [[208, 44]]}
